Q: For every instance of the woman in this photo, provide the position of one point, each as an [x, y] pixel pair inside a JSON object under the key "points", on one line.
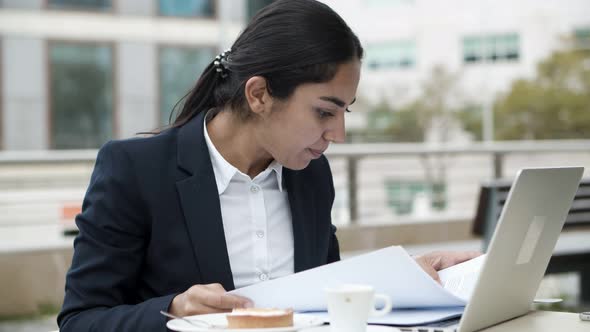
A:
{"points": [[237, 191]]}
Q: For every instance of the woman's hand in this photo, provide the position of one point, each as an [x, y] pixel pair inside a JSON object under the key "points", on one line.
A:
{"points": [[438, 260], [206, 299]]}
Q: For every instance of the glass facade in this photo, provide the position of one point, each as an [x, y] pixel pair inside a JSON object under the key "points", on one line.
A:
{"points": [[1, 89], [81, 95], [187, 8], [582, 38], [105, 5], [253, 6], [397, 54], [493, 48], [179, 69]]}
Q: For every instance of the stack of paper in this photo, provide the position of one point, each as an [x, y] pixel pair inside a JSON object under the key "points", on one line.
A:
{"points": [[417, 298]]}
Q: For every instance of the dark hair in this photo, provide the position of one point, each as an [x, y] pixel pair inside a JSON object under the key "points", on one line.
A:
{"points": [[289, 42]]}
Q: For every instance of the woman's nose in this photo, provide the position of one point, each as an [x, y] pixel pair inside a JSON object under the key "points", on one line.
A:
{"points": [[337, 133]]}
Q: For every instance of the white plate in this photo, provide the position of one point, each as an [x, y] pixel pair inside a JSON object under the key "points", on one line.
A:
{"points": [[300, 321], [370, 328]]}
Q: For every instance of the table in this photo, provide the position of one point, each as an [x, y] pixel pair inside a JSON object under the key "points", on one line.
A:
{"points": [[541, 321]]}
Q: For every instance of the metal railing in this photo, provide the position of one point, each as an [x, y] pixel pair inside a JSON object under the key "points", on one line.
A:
{"points": [[497, 151], [360, 170]]}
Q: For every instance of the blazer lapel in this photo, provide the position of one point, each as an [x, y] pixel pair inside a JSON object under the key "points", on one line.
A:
{"points": [[200, 204], [302, 203]]}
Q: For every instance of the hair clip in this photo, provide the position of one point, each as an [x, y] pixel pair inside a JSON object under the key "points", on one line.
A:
{"points": [[220, 63]]}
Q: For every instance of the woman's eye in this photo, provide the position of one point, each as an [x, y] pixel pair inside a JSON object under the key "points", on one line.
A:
{"points": [[324, 114]]}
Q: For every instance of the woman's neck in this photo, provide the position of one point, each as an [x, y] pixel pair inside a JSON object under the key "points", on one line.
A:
{"points": [[235, 140]]}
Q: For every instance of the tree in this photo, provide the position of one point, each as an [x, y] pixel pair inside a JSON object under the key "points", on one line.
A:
{"points": [[553, 105], [431, 115], [470, 116], [384, 123], [405, 126]]}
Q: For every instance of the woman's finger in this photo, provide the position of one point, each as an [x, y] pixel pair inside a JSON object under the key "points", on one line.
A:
{"points": [[426, 265], [218, 298]]}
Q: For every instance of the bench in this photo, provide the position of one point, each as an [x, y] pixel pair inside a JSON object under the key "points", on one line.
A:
{"points": [[577, 258]]}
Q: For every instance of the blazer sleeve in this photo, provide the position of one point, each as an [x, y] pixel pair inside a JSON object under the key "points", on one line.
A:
{"points": [[333, 247], [108, 253]]}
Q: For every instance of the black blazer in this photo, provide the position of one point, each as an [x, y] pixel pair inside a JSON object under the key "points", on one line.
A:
{"points": [[151, 228]]}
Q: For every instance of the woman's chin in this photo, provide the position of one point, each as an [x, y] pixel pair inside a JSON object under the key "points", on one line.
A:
{"points": [[297, 165]]}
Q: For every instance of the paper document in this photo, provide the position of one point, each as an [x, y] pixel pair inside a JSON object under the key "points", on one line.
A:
{"points": [[460, 279], [408, 317], [391, 271]]}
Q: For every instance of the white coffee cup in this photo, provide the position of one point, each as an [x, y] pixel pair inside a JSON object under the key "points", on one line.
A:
{"points": [[350, 305]]}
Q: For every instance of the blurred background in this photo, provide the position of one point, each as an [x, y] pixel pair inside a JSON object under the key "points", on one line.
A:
{"points": [[455, 97]]}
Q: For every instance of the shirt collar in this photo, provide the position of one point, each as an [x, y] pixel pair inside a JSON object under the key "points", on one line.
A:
{"points": [[224, 171], [278, 169]]}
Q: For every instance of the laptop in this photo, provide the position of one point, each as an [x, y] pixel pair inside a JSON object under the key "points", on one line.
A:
{"points": [[520, 249]]}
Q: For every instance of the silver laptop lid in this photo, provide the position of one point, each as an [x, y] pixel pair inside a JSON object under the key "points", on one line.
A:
{"points": [[522, 244]]}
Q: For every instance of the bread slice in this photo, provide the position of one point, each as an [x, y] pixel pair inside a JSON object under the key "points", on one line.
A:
{"points": [[252, 318]]}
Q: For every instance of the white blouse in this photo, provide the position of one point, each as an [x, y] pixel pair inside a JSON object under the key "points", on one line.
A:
{"points": [[256, 220]]}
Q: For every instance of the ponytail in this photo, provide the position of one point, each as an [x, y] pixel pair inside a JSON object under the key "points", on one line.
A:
{"points": [[289, 43], [199, 99]]}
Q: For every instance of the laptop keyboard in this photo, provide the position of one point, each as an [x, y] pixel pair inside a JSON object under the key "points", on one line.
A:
{"points": [[442, 326]]}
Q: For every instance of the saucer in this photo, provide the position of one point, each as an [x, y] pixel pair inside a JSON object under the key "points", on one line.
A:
{"points": [[370, 328], [300, 322]]}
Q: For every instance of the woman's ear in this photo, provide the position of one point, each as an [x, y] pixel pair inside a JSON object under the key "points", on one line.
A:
{"points": [[257, 95]]}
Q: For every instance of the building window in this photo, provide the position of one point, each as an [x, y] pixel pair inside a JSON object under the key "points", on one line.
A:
{"points": [[401, 54], [408, 197], [105, 5], [187, 8], [494, 48], [582, 38], [1, 103], [254, 6], [180, 67], [472, 49], [81, 95]]}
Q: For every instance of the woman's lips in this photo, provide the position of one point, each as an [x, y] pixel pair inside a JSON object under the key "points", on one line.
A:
{"points": [[316, 153]]}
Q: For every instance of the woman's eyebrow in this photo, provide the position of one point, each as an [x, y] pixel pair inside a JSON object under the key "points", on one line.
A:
{"points": [[336, 100]]}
